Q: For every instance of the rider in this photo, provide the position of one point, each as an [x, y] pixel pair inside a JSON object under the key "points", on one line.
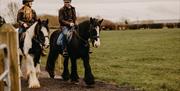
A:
{"points": [[26, 17], [67, 20]]}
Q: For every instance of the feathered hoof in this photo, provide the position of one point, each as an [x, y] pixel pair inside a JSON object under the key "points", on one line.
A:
{"points": [[33, 81], [34, 84]]}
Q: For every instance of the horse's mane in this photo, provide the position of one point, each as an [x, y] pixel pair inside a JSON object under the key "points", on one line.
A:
{"points": [[32, 26], [84, 25], [30, 30]]}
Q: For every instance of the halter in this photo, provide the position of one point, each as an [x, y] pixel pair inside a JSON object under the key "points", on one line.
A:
{"points": [[40, 39]]}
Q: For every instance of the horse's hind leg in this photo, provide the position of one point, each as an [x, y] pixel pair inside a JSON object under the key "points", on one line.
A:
{"points": [[50, 64], [74, 76], [89, 78], [65, 73]]}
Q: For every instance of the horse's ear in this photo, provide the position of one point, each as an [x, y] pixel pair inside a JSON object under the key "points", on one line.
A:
{"points": [[91, 19], [101, 21], [39, 20]]}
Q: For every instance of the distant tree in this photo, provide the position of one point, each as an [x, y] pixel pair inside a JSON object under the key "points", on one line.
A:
{"points": [[12, 11], [126, 21]]}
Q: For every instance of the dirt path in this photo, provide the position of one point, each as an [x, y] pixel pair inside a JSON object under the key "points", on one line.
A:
{"points": [[48, 84]]}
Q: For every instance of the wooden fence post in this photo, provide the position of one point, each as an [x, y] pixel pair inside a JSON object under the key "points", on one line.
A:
{"points": [[8, 36]]}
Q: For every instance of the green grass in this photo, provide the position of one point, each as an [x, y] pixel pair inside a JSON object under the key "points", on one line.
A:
{"points": [[145, 59]]}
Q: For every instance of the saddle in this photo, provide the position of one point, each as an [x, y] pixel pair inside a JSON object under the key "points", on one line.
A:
{"points": [[69, 34]]}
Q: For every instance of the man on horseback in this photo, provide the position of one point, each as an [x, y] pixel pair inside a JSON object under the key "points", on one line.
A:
{"points": [[67, 20], [26, 17]]}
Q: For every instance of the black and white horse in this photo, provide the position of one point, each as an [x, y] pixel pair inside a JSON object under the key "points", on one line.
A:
{"points": [[36, 38], [77, 47]]}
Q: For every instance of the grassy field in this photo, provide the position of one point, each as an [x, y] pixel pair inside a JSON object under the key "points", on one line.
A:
{"points": [[145, 59]]}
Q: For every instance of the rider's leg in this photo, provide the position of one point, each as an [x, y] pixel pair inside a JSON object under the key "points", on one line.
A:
{"points": [[62, 37], [64, 40], [59, 40]]}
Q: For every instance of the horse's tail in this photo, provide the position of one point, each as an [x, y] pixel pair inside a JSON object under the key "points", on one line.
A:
{"points": [[53, 54]]}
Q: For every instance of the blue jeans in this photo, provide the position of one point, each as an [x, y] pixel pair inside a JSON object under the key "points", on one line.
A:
{"points": [[21, 30], [62, 37]]}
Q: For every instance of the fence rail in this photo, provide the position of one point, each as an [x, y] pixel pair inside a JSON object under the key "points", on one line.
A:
{"points": [[8, 36]]}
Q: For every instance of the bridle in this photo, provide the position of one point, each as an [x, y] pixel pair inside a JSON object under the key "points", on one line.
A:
{"points": [[93, 36], [40, 39]]}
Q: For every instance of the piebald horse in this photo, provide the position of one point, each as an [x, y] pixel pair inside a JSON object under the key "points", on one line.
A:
{"points": [[36, 38]]}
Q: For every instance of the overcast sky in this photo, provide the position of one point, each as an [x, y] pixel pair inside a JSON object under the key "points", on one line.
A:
{"points": [[115, 10]]}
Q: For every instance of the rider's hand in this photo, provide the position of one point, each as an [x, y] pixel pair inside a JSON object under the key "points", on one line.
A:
{"points": [[71, 24], [25, 25]]}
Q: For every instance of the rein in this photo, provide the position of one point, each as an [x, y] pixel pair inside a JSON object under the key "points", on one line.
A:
{"points": [[86, 41], [81, 38]]}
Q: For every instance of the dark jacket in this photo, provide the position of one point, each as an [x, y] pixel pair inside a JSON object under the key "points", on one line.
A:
{"points": [[26, 15], [67, 16]]}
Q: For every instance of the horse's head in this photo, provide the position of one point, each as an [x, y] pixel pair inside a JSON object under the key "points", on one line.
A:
{"points": [[42, 33], [95, 27]]}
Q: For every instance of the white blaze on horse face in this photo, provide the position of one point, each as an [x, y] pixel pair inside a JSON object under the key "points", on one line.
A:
{"points": [[97, 42], [45, 32]]}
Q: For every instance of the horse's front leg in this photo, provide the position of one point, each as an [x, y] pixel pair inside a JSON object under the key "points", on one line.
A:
{"points": [[74, 76], [65, 73], [37, 62], [89, 78], [51, 60], [31, 72], [38, 69]]}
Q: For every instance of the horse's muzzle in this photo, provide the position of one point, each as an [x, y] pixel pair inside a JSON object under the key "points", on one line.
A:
{"points": [[46, 46], [96, 43]]}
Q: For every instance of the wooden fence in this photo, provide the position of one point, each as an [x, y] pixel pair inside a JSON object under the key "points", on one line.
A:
{"points": [[8, 36]]}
